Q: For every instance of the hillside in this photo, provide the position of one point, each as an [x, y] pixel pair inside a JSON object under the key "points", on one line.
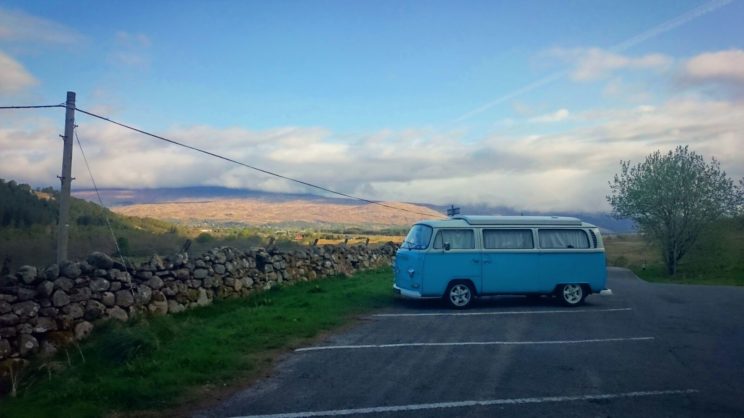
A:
{"points": [[258, 212]]}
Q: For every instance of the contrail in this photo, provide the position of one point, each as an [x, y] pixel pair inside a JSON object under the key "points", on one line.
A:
{"points": [[622, 46]]}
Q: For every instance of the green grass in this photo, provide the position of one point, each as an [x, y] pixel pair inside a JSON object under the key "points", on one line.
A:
{"points": [[157, 362]]}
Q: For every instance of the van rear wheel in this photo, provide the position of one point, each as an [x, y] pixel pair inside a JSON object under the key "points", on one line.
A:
{"points": [[571, 294], [459, 295]]}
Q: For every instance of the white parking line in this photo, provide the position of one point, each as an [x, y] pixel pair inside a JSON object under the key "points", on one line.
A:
{"points": [[462, 404], [467, 343], [568, 310]]}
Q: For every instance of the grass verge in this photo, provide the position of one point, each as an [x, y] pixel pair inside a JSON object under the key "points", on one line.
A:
{"points": [[657, 274], [157, 362]]}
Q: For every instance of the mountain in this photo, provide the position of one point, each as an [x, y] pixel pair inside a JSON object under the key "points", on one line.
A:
{"points": [[225, 206]]}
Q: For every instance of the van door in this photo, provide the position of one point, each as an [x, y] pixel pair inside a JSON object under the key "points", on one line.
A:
{"points": [[510, 261], [453, 256]]}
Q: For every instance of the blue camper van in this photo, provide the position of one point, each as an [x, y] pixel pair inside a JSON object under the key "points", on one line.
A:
{"points": [[465, 257]]}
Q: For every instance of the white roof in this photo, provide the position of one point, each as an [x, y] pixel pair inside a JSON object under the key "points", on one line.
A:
{"points": [[470, 220]]}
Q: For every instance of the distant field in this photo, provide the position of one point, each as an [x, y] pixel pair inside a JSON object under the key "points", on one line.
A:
{"points": [[717, 258]]}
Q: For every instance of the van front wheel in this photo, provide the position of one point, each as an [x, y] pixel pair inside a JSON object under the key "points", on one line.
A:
{"points": [[571, 294], [459, 295]]}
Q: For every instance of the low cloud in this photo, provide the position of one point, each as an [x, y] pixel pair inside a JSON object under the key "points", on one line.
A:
{"points": [[557, 116], [18, 26], [131, 50], [566, 171], [14, 77], [722, 66], [590, 64]]}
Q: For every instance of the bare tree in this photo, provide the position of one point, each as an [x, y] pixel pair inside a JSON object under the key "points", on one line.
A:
{"points": [[672, 197]]}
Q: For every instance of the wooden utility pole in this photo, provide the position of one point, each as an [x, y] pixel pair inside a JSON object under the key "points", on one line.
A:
{"points": [[63, 231]]}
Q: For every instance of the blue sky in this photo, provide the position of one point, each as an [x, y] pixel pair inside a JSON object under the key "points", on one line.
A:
{"points": [[394, 95]]}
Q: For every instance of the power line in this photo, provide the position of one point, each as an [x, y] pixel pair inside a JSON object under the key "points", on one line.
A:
{"points": [[100, 200], [32, 107], [271, 173]]}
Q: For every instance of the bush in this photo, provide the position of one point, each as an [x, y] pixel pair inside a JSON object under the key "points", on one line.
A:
{"points": [[204, 237]]}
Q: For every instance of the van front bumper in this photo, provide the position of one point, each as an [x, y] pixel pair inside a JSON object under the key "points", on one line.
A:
{"points": [[406, 293]]}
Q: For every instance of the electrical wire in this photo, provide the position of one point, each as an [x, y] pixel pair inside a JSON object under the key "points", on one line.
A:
{"points": [[100, 200], [271, 173], [32, 107]]}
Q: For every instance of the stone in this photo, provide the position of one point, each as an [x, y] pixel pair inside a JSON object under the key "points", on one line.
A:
{"points": [[158, 307], [156, 263], [8, 280], [26, 309], [5, 349], [64, 283], [44, 325], [80, 294], [219, 268], [115, 286], [108, 299], [52, 272], [124, 298], [73, 310], [158, 295], [27, 274], [27, 345], [60, 298], [175, 307], [94, 310], [143, 274], [5, 307], [101, 273], [49, 311], [144, 294], [99, 285], [83, 330], [9, 319], [70, 270], [201, 273], [24, 328], [183, 274], [118, 313], [247, 282], [8, 332], [100, 260], [155, 283], [203, 299], [45, 288], [25, 294]]}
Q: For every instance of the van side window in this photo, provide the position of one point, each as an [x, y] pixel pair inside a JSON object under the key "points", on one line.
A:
{"points": [[563, 238], [463, 239], [511, 239]]}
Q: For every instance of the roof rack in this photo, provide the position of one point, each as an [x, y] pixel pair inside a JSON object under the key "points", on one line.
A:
{"points": [[518, 220]]}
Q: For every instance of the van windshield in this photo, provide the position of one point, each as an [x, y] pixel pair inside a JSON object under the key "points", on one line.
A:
{"points": [[418, 237]]}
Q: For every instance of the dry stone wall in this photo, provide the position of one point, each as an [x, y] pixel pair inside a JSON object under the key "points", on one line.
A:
{"points": [[42, 310]]}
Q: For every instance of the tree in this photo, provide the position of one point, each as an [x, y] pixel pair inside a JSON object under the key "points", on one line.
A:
{"points": [[672, 197]]}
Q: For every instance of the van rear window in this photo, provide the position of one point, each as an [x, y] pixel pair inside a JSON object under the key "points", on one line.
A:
{"points": [[563, 238], [462, 239], [507, 239]]}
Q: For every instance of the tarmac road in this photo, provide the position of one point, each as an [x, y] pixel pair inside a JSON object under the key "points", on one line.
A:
{"points": [[650, 350]]}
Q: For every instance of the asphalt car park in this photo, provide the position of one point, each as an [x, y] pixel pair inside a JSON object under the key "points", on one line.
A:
{"points": [[649, 350]]}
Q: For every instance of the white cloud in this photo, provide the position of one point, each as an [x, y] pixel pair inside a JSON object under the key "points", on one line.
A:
{"points": [[566, 171], [13, 76], [18, 26], [595, 63], [131, 50], [557, 116], [726, 66]]}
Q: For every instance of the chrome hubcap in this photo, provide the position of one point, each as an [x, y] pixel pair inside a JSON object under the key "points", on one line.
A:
{"points": [[460, 295], [572, 293]]}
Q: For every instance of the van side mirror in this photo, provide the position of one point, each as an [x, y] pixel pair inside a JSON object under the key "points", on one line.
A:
{"points": [[446, 246]]}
